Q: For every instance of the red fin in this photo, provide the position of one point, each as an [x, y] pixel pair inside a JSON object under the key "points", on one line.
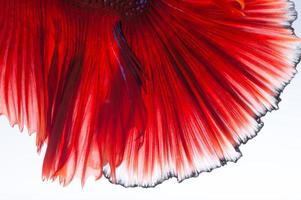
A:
{"points": [[212, 76], [22, 85], [69, 75], [96, 99], [173, 92]]}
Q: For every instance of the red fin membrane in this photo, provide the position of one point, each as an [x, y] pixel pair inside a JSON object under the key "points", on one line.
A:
{"points": [[71, 77], [171, 92], [97, 101], [213, 74], [22, 88]]}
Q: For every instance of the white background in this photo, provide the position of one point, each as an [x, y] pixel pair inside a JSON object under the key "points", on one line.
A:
{"points": [[269, 170]]}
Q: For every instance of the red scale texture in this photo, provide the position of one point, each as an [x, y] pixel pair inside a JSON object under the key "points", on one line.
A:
{"points": [[172, 91], [125, 8]]}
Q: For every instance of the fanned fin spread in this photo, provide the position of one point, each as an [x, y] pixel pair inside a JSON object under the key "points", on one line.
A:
{"points": [[171, 92]]}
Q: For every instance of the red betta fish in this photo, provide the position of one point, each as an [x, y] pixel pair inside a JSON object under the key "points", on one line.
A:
{"points": [[140, 91]]}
